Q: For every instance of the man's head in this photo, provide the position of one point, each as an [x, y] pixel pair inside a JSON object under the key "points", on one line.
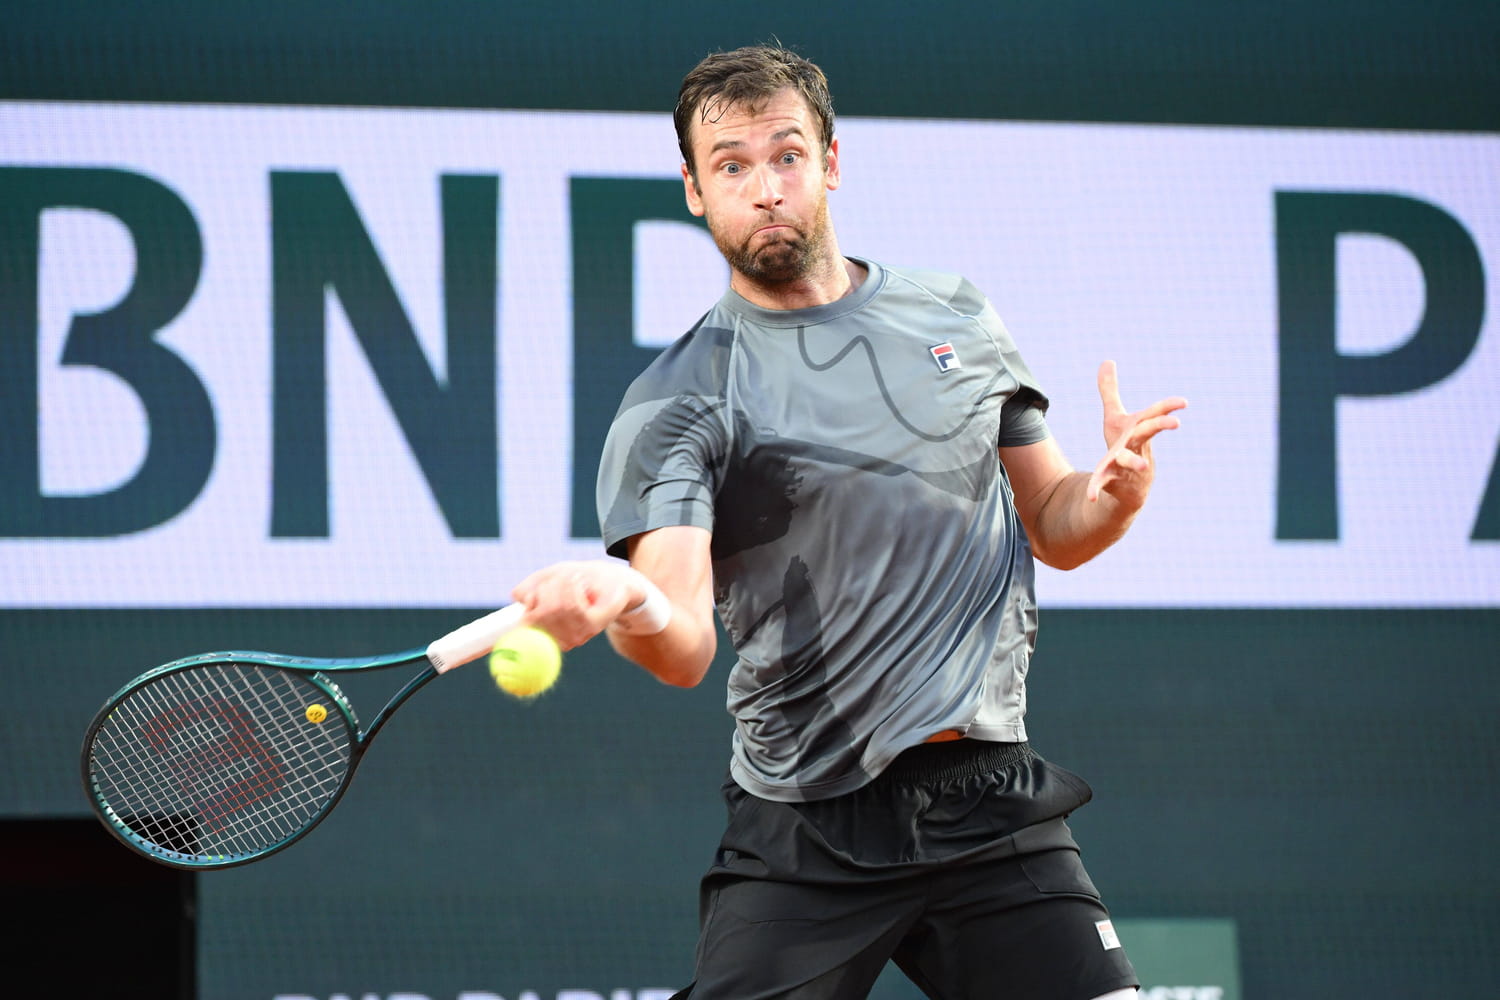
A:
{"points": [[759, 159], [747, 78]]}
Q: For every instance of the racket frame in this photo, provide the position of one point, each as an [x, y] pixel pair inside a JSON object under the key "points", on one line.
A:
{"points": [[460, 646]]}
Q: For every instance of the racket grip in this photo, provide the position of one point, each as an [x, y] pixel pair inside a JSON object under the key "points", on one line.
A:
{"points": [[470, 642]]}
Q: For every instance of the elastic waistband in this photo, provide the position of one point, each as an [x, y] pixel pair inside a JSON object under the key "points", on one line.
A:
{"points": [[953, 759]]}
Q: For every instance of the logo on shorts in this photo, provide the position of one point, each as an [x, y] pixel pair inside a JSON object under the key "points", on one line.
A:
{"points": [[1107, 935], [945, 356]]}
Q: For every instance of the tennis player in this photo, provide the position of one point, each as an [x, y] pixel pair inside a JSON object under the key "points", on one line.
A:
{"points": [[850, 461]]}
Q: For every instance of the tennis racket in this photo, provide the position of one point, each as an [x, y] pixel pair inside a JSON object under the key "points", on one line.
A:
{"points": [[224, 758]]}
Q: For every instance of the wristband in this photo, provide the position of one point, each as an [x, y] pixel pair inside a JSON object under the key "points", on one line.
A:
{"points": [[648, 617]]}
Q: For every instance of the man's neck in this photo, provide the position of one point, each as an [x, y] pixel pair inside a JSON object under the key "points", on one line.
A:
{"points": [[835, 278]]}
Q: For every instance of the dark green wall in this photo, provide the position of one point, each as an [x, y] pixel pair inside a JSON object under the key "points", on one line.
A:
{"points": [[1324, 778], [1352, 63]]}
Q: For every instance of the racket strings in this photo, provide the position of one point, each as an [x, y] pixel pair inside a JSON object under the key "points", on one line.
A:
{"points": [[220, 761]]}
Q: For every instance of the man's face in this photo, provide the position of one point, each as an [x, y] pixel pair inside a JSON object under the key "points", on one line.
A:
{"points": [[762, 186]]}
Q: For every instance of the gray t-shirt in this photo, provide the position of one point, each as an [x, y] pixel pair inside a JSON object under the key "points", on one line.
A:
{"points": [[869, 566]]}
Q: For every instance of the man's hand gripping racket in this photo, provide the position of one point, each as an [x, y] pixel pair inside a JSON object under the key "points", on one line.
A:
{"points": [[224, 758]]}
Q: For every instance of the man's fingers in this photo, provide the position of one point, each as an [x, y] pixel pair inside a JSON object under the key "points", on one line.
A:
{"points": [[1109, 388], [1163, 406], [573, 600], [574, 584], [1104, 471], [1132, 454], [1145, 430]]}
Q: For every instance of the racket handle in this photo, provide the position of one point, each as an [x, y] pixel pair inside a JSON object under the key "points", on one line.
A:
{"points": [[471, 641]]}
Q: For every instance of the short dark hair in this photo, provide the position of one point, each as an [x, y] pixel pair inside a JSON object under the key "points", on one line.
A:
{"points": [[750, 76]]}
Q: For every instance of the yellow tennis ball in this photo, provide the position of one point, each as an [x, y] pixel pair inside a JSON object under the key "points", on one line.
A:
{"points": [[316, 713], [525, 662]]}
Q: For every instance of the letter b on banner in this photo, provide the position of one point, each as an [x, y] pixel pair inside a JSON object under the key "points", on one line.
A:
{"points": [[121, 340]]}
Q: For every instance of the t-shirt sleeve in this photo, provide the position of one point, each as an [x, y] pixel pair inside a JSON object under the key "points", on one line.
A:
{"points": [[1022, 422], [658, 466], [665, 449], [1023, 415]]}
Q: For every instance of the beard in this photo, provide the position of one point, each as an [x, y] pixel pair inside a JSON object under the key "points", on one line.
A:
{"points": [[786, 256]]}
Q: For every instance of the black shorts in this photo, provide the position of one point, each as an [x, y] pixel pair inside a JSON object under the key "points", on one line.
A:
{"points": [[956, 864]]}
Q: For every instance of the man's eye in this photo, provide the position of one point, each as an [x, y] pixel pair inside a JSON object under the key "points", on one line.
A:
{"points": [[789, 158], [731, 168]]}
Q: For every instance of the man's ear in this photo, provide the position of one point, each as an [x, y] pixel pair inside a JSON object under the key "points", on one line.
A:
{"points": [[831, 177], [691, 192]]}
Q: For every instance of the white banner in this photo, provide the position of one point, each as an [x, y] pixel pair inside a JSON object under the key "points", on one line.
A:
{"points": [[1155, 246]]}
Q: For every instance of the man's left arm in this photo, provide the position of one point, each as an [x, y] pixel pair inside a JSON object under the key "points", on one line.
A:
{"points": [[1072, 516]]}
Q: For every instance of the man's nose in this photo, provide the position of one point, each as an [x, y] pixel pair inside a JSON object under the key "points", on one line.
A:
{"points": [[767, 190]]}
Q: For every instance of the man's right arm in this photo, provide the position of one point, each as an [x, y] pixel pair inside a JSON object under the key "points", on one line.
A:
{"points": [[676, 560], [575, 601]]}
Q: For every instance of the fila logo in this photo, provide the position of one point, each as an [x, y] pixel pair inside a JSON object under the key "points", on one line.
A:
{"points": [[1107, 935], [945, 356]]}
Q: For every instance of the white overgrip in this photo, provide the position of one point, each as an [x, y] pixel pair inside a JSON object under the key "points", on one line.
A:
{"points": [[470, 642]]}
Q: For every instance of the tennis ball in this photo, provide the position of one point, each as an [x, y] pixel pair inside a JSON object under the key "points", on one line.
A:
{"points": [[525, 662], [316, 713]]}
